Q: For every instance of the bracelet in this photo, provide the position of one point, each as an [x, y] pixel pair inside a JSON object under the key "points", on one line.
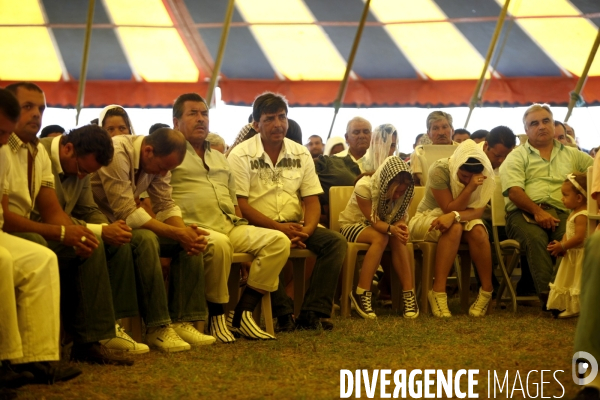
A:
{"points": [[62, 233], [388, 229]]}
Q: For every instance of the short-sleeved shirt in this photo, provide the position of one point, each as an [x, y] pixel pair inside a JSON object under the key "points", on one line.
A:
{"points": [[352, 213], [274, 190], [595, 189], [541, 179], [206, 197], [115, 186], [4, 171], [23, 193], [438, 178]]}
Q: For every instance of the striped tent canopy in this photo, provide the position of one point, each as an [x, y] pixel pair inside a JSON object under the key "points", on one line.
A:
{"points": [[143, 53]]}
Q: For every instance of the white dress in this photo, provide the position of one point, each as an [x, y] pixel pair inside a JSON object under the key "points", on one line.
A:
{"points": [[564, 292]]}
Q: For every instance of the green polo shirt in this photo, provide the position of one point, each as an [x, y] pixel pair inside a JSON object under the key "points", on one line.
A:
{"points": [[206, 196], [541, 179]]}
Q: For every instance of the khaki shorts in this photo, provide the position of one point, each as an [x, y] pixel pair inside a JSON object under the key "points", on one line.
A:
{"points": [[419, 225]]}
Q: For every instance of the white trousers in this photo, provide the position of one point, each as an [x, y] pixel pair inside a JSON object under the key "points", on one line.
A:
{"points": [[29, 301], [270, 249]]}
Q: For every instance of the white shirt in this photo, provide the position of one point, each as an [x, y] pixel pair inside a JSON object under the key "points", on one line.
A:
{"points": [[22, 197], [352, 213], [275, 191], [359, 162], [4, 171]]}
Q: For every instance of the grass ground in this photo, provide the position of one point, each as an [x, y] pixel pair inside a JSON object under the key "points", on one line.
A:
{"points": [[306, 365]]}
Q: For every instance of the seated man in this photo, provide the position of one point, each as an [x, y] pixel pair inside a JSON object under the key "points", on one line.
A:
{"points": [[74, 156], [358, 137], [86, 301], [439, 131], [315, 146], [142, 163], [532, 176], [29, 291], [272, 176], [204, 188], [460, 135]]}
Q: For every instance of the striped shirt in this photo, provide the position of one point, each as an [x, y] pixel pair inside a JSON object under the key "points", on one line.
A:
{"points": [[23, 191], [115, 186]]}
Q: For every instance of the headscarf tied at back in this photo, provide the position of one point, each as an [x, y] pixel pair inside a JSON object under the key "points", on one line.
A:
{"points": [[332, 142], [469, 149], [380, 182], [379, 149], [105, 110]]}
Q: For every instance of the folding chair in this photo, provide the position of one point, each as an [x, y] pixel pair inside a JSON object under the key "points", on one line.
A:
{"points": [[510, 248], [428, 154], [338, 199]]}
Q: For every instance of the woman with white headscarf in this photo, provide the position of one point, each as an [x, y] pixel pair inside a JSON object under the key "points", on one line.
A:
{"points": [[457, 191], [115, 121], [376, 214], [383, 145], [334, 145]]}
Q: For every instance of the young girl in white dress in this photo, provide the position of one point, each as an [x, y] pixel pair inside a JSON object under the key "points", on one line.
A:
{"points": [[564, 292]]}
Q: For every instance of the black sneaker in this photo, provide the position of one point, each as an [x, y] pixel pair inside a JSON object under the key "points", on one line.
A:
{"points": [[310, 320], [411, 309], [362, 304]]}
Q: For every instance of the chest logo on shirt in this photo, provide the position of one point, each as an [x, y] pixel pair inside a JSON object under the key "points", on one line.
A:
{"points": [[273, 176]]}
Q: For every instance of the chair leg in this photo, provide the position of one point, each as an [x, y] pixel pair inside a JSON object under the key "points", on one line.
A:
{"points": [[266, 307], [347, 281], [428, 267], [465, 280], [299, 283]]}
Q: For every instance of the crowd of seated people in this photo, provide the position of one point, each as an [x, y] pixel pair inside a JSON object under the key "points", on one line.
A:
{"points": [[89, 216]]}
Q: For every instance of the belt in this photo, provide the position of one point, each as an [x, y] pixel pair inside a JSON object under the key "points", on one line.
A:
{"points": [[545, 206]]}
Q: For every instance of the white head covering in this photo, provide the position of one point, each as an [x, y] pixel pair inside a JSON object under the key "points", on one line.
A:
{"points": [[105, 110], [469, 149], [332, 142], [379, 149]]}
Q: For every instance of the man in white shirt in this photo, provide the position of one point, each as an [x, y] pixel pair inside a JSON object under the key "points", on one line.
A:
{"points": [[86, 306], [29, 292], [358, 137], [273, 176], [143, 164]]}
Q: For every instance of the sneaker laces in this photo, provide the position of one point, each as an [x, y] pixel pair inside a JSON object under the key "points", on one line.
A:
{"points": [[167, 332], [410, 301], [481, 302], [122, 334], [442, 305], [366, 302]]}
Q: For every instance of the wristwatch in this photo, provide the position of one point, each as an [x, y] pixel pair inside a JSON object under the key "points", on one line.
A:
{"points": [[456, 216]]}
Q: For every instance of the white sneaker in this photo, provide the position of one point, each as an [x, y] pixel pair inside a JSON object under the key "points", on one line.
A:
{"points": [[479, 308], [219, 329], [439, 304], [566, 314], [248, 327], [164, 338], [125, 343], [188, 333]]}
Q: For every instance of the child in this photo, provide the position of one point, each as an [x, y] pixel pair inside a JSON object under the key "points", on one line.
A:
{"points": [[376, 214], [564, 292]]}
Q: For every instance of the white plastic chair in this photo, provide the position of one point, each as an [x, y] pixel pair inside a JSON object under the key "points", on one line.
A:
{"points": [[428, 154]]}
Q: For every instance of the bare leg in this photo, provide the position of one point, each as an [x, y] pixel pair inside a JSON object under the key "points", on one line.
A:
{"points": [[378, 242], [401, 263], [444, 256], [481, 254]]}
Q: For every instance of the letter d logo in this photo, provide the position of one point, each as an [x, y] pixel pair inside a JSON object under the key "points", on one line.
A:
{"points": [[584, 362]]}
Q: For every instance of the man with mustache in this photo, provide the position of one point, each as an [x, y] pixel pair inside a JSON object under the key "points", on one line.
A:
{"points": [[532, 176], [86, 306], [358, 137], [273, 175]]}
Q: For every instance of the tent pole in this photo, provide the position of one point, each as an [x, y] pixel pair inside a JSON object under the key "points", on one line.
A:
{"points": [[583, 77], [344, 82], [476, 95], [84, 61], [222, 45]]}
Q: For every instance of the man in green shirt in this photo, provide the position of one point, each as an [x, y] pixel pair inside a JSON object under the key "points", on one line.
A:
{"points": [[531, 177]]}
